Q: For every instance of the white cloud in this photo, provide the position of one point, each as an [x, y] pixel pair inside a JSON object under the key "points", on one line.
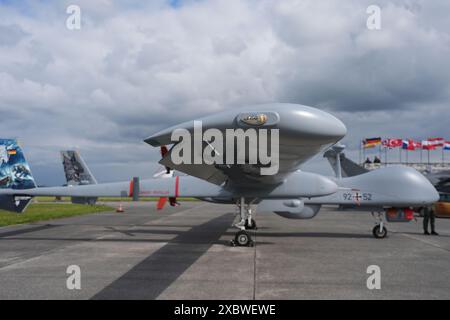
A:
{"points": [[135, 68]]}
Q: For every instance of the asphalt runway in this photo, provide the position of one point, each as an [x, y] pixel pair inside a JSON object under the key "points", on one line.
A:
{"points": [[184, 253]]}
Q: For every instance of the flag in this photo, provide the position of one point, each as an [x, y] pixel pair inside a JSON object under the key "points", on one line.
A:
{"points": [[436, 142], [427, 145], [12, 152], [417, 144], [371, 142], [447, 145], [408, 145], [392, 143]]}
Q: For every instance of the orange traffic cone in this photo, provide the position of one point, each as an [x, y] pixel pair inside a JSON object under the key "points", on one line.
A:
{"points": [[120, 208]]}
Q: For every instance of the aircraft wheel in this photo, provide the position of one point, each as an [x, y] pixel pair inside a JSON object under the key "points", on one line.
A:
{"points": [[251, 226], [243, 239], [377, 233]]}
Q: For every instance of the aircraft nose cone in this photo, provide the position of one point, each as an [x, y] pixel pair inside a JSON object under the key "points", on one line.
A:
{"points": [[317, 125], [334, 128], [432, 194], [408, 185], [422, 190]]}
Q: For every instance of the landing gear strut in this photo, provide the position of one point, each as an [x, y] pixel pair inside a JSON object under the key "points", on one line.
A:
{"points": [[242, 237], [379, 231], [250, 225]]}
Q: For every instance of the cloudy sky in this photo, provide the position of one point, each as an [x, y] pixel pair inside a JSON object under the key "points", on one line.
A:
{"points": [[135, 68]]}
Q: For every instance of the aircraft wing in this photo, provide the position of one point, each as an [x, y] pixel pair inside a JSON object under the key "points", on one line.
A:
{"points": [[170, 187], [205, 172], [117, 189]]}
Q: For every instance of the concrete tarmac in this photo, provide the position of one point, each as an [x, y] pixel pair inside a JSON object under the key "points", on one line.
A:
{"points": [[184, 253]]}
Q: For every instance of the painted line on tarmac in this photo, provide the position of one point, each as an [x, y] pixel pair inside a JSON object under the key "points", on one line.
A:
{"points": [[425, 241]]}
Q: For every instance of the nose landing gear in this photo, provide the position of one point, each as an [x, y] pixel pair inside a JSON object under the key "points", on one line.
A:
{"points": [[242, 237], [250, 224], [379, 231]]}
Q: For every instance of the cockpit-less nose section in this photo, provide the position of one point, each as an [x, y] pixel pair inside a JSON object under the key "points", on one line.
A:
{"points": [[251, 158], [263, 144]]}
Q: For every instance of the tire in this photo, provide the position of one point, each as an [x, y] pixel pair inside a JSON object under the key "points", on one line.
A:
{"points": [[379, 234], [242, 239]]}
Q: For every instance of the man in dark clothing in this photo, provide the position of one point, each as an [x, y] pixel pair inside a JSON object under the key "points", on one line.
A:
{"points": [[428, 215]]}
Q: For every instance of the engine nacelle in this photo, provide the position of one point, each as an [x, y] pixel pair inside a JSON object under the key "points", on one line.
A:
{"points": [[289, 208]]}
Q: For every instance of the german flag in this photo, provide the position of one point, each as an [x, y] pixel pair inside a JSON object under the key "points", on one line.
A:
{"points": [[12, 152], [371, 142]]}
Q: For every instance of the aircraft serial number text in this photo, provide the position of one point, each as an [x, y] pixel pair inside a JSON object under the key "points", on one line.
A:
{"points": [[348, 196]]}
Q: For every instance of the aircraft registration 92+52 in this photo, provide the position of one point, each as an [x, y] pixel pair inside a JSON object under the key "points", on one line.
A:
{"points": [[258, 166]]}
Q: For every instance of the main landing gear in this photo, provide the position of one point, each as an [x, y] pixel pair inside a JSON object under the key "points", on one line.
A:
{"points": [[379, 231], [246, 222]]}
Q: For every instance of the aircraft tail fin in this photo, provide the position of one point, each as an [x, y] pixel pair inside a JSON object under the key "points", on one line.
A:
{"points": [[348, 167], [75, 169], [14, 203], [77, 173], [15, 173]]}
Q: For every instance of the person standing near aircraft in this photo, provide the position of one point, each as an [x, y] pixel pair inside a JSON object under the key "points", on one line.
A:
{"points": [[429, 216]]}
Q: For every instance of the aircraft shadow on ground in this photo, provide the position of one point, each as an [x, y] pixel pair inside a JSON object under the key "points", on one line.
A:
{"points": [[195, 235], [313, 235], [27, 230], [149, 278]]}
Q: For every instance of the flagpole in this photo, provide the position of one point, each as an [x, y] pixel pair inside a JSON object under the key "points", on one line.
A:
{"points": [[360, 151], [400, 149], [364, 152], [443, 149], [385, 156], [380, 152]]}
